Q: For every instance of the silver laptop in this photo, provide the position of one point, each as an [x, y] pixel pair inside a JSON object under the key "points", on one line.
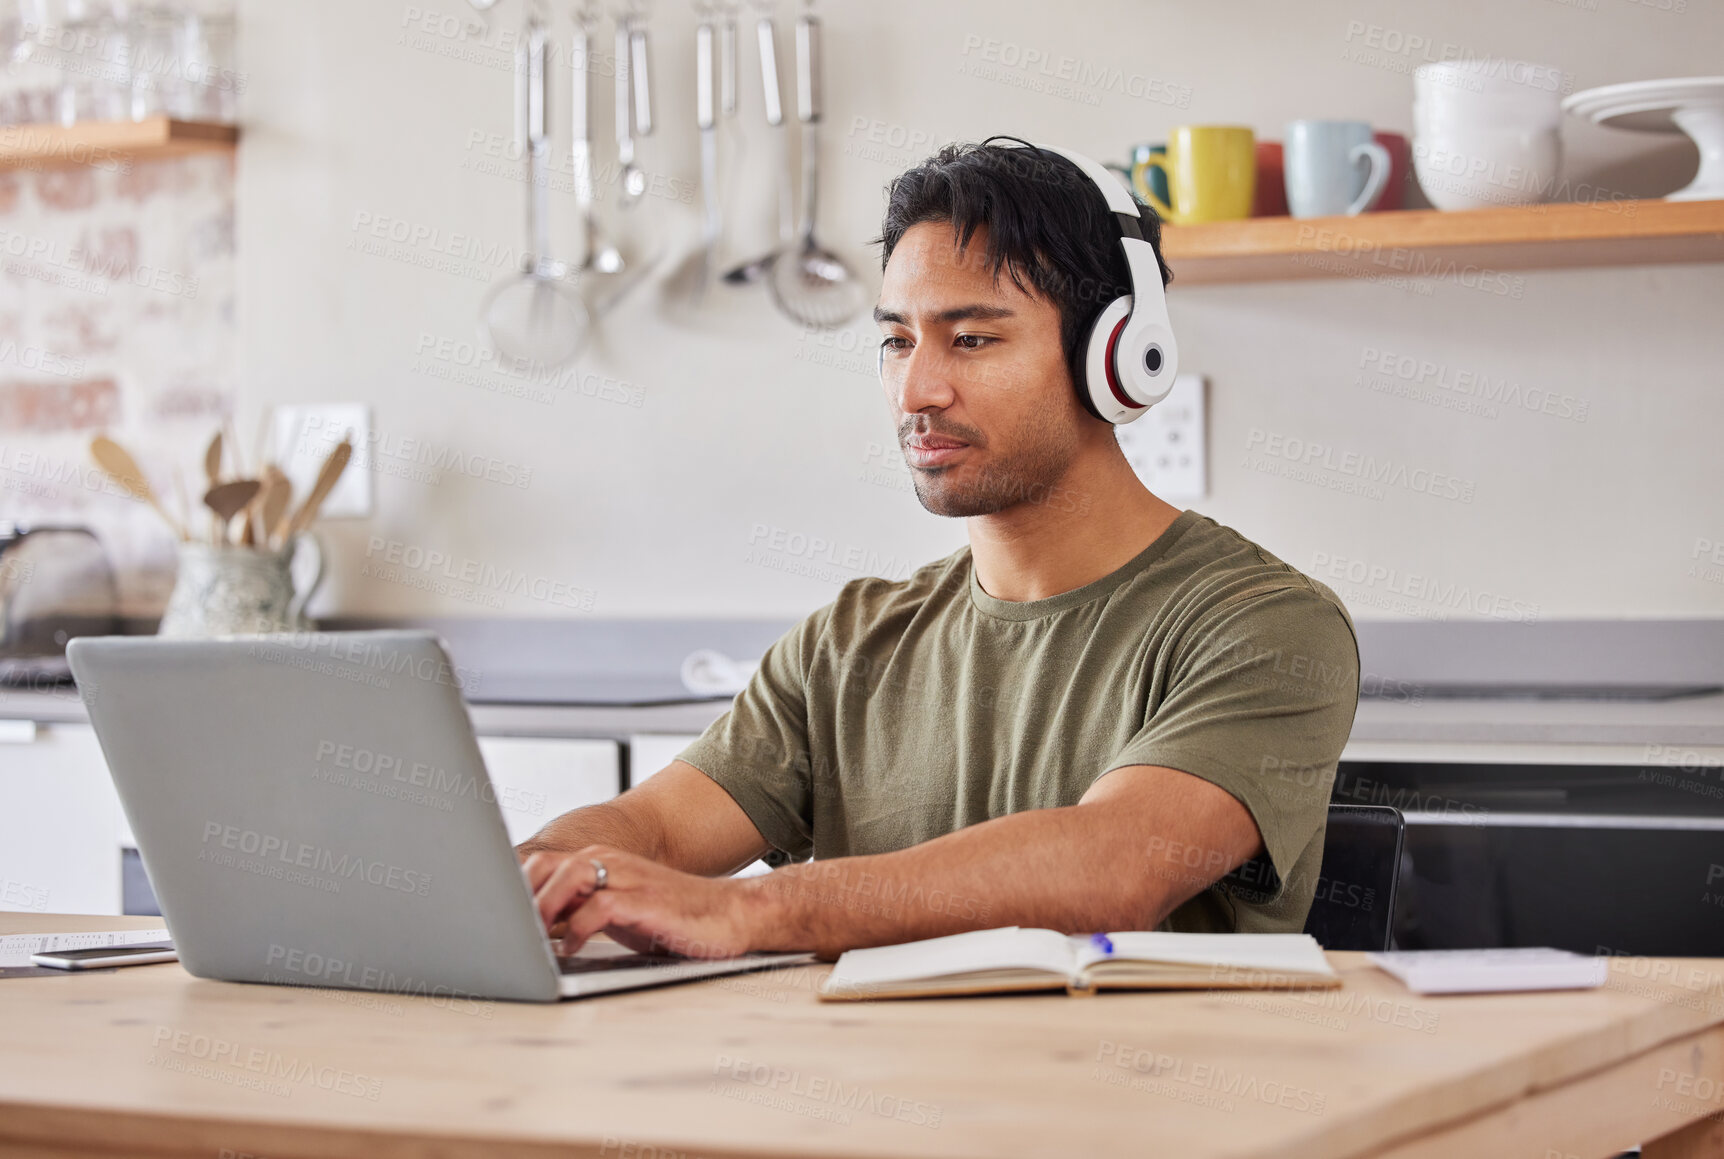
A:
{"points": [[312, 809]]}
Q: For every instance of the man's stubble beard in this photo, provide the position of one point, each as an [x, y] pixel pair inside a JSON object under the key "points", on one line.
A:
{"points": [[1046, 448]]}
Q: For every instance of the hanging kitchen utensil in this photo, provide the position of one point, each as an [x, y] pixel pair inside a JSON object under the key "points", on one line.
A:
{"points": [[754, 269], [632, 179], [727, 63], [640, 76], [688, 284], [536, 315], [597, 252], [810, 283]]}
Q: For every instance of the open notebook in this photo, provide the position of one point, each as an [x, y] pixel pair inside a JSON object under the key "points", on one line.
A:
{"points": [[1014, 958]]}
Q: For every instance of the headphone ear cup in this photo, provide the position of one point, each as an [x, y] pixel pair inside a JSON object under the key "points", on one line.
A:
{"points": [[1100, 390]]}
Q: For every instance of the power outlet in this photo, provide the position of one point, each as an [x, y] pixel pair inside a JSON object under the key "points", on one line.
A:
{"points": [[302, 436], [1166, 447]]}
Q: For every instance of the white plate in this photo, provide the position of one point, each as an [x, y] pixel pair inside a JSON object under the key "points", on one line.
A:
{"points": [[1644, 105], [1693, 105]]}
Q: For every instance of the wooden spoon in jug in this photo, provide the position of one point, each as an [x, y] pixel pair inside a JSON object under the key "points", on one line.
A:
{"points": [[212, 474], [326, 477], [123, 469], [229, 499], [272, 504]]}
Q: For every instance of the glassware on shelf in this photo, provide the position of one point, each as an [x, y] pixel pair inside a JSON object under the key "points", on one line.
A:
{"points": [[157, 62], [105, 60], [209, 83]]}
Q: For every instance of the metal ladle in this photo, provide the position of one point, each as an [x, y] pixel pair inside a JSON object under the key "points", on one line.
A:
{"points": [[633, 107], [598, 253], [688, 284], [755, 268], [811, 283], [536, 315]]}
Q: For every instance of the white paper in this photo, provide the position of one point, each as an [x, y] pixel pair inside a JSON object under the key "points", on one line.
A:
{"points": [[1493, 971]]}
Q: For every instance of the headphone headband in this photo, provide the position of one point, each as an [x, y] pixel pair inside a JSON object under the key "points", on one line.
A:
{"points": [[1131, 357]]}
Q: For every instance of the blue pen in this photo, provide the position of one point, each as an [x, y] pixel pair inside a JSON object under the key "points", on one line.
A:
{"points": [[1100, 941]]}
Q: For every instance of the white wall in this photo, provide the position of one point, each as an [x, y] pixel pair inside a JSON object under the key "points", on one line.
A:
{"points": [[747, 421]]}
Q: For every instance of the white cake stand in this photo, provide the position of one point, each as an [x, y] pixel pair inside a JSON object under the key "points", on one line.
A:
{"points": [[1692, 105]]}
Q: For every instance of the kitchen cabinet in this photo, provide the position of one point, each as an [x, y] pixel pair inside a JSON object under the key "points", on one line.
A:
{"points": [[61, 826], [64, 841], [538, 778], [650, 752]]}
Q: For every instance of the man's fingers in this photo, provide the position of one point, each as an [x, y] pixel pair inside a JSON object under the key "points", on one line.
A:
{"points": [[539, 866], [592, 917], [566, 886]]}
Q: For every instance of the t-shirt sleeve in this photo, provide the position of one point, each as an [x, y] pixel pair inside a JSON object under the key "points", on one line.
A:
{"points": [[758, 751], [1260, 702]]}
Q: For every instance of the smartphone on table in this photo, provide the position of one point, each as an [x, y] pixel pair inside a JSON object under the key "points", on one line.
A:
{"points": [[106, 957]]}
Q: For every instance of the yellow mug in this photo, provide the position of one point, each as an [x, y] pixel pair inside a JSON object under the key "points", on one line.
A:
{"points": [[1211, 173]]}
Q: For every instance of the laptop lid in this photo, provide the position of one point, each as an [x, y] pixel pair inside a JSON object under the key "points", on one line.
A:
{"points": [[312, 809]]}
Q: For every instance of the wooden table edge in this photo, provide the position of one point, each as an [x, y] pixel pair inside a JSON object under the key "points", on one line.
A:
{"points": [[1589, 1116], [39, 1131], [1593, 1117]]}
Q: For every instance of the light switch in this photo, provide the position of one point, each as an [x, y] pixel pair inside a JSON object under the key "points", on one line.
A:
{"points": [[301, 437], [1166, 447]]}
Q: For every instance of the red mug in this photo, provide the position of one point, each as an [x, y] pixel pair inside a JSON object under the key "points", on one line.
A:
{"points": [[1400, 164], [1271, 196]]}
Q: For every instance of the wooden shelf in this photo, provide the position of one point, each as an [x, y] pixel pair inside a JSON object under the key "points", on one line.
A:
{"points": [[102, 142], [1432, 243]]}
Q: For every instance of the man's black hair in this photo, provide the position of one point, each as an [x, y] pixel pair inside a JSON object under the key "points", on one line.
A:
{"points": [[1049, 228]]}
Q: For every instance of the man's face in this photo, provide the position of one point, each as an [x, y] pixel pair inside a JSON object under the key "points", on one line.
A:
{"points": [[975, 377]]}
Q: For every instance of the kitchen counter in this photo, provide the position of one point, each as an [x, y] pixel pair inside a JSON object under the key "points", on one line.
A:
{"points": [[1687, 731], [595, 721], [551, 678]]}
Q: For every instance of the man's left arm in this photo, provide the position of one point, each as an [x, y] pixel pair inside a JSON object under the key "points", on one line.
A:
{"points": [[1080, 869]]}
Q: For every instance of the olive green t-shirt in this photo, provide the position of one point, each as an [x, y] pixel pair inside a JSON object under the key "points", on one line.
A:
{"points": [[903, 711]]}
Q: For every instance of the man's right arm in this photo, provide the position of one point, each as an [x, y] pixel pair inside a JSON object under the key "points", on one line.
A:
{"points": [[678, 818]]}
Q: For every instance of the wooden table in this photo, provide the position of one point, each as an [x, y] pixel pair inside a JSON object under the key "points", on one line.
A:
{"points": [[149, 1061]]}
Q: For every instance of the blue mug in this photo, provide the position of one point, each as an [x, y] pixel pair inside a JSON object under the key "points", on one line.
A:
{"points": [[1333, 168]]}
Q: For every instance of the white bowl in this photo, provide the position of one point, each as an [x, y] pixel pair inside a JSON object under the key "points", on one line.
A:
{"points": [[1501, 113], [1518, 102], [1484, 168]]}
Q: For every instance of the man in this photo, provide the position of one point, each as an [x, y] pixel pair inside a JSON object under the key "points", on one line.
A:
{"points": [[1102, 714]]}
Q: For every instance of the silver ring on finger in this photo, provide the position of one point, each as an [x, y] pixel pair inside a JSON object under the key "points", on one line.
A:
{"points": [[604, 875]]}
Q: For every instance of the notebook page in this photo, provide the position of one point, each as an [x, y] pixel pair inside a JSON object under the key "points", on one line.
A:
{"points": [[1254, 953], [1007, 948]]}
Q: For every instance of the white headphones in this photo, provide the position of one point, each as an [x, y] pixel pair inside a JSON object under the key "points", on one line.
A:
{"points": [[1130, 356]]}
